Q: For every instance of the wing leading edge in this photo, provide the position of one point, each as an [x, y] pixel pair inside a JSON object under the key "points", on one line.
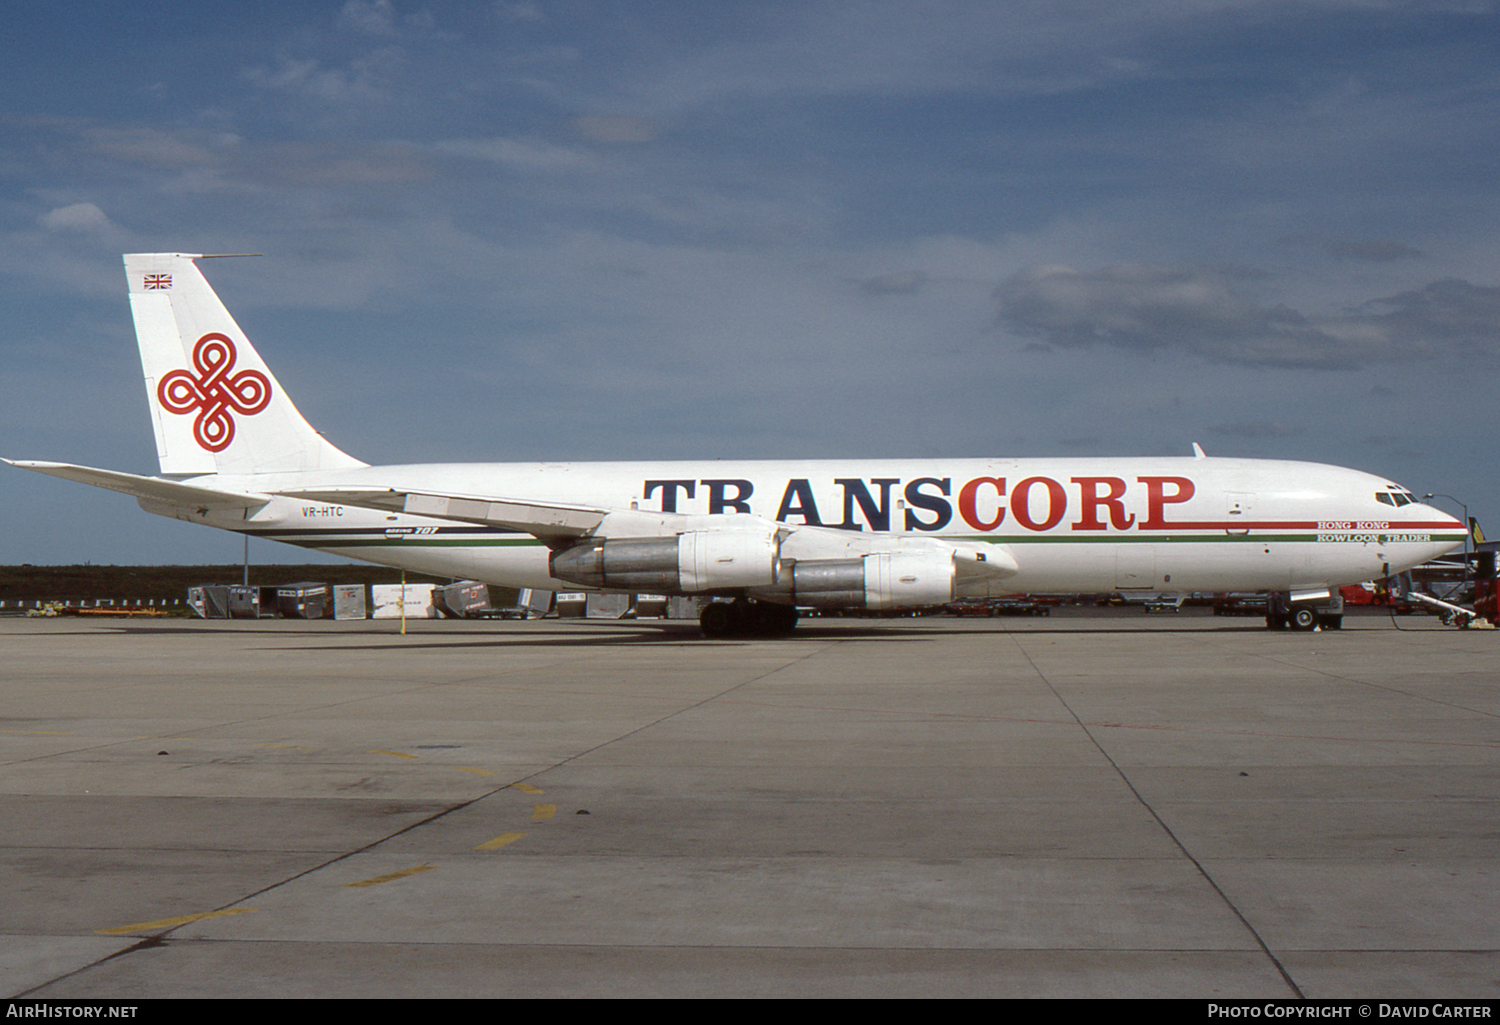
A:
{"points": [[547, 521]]}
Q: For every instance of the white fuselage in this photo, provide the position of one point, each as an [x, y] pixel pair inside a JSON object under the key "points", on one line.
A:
{"points": [[1071, 525], [234, 452]]}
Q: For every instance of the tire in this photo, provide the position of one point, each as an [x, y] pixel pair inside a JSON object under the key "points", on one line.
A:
{"points": [[716, 620], [774, 620], [1304, 619]]}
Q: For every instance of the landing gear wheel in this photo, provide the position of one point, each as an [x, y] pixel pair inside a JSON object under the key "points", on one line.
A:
{"points": [[779, 619], [746, 619], [716, 620]]}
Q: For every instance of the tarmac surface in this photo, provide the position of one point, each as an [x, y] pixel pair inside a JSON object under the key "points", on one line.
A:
{"points": [[1090, 805]]}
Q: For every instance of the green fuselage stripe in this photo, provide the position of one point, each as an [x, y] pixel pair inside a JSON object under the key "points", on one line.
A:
{"points": [[305, 541]]}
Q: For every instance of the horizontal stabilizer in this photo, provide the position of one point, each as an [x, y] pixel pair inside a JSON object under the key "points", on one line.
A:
{"points": [[154, 488], [549, 520]]}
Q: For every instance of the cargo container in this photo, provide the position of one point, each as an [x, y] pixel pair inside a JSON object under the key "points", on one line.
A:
{"points": [[304, 600], [349, 601]]}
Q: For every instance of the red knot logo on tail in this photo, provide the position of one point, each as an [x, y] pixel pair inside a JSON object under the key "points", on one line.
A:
{"points": [[214, 392]]}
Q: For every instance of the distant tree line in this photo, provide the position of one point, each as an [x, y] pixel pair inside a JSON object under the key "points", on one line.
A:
{"points": [[129, 583]]}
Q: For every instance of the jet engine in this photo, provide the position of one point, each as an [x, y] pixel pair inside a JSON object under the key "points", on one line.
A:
{"points": [[880, 580], [692, 562]]}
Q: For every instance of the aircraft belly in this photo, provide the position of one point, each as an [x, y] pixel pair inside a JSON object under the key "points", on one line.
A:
{"points": [[519, 565], [456, 563], [1180, 566]]}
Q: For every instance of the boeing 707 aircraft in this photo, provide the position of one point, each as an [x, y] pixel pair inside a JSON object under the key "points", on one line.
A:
{"points": [[770, 536]]}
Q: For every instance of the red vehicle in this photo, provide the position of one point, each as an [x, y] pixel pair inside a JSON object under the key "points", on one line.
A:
{"points": [[1376, 593]]}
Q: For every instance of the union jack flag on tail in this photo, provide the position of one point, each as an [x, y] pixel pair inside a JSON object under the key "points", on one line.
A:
{"points": [[158, 281]]}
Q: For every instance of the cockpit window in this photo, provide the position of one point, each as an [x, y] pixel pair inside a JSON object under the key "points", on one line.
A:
{"points": [[1395, 498], [1384, 498]]}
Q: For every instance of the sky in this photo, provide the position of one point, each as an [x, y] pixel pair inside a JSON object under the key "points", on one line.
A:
{"points": [[659, 229]]}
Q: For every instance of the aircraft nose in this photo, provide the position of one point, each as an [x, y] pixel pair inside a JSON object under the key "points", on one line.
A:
{"points": [[1447, 520], [1445, 527]]}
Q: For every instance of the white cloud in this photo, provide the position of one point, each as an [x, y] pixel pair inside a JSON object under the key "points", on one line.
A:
{"points": [[530, 155], [372, 17], [508, 11], [149, 146], [75, 217], [367, 78]]}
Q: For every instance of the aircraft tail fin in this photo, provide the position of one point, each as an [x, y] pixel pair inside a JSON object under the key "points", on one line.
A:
{"points": [[215, 406]]}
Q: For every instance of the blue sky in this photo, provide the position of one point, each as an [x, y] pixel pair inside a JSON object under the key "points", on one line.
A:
{"points": [[605, 229]]}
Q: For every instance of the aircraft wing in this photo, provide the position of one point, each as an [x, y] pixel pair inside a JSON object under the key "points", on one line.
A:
{"points": [[561, 522], [541, 519], [154, 488]]}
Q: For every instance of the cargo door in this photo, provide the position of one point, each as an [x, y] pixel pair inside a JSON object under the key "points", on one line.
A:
{"points": [[1135, 567], [1238, 506]]}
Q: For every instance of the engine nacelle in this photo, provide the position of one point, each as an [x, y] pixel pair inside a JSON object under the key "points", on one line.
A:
{"points": [[692, 562], [880, 580]]}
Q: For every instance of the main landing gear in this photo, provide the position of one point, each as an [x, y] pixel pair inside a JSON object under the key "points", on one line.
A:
{"points": [[742, 618]]}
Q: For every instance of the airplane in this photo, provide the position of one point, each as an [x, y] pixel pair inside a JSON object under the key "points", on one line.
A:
{"points": [[763, 537]]}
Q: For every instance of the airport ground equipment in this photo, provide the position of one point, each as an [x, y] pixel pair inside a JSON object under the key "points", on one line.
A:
{"points": [[1305, 610]]}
